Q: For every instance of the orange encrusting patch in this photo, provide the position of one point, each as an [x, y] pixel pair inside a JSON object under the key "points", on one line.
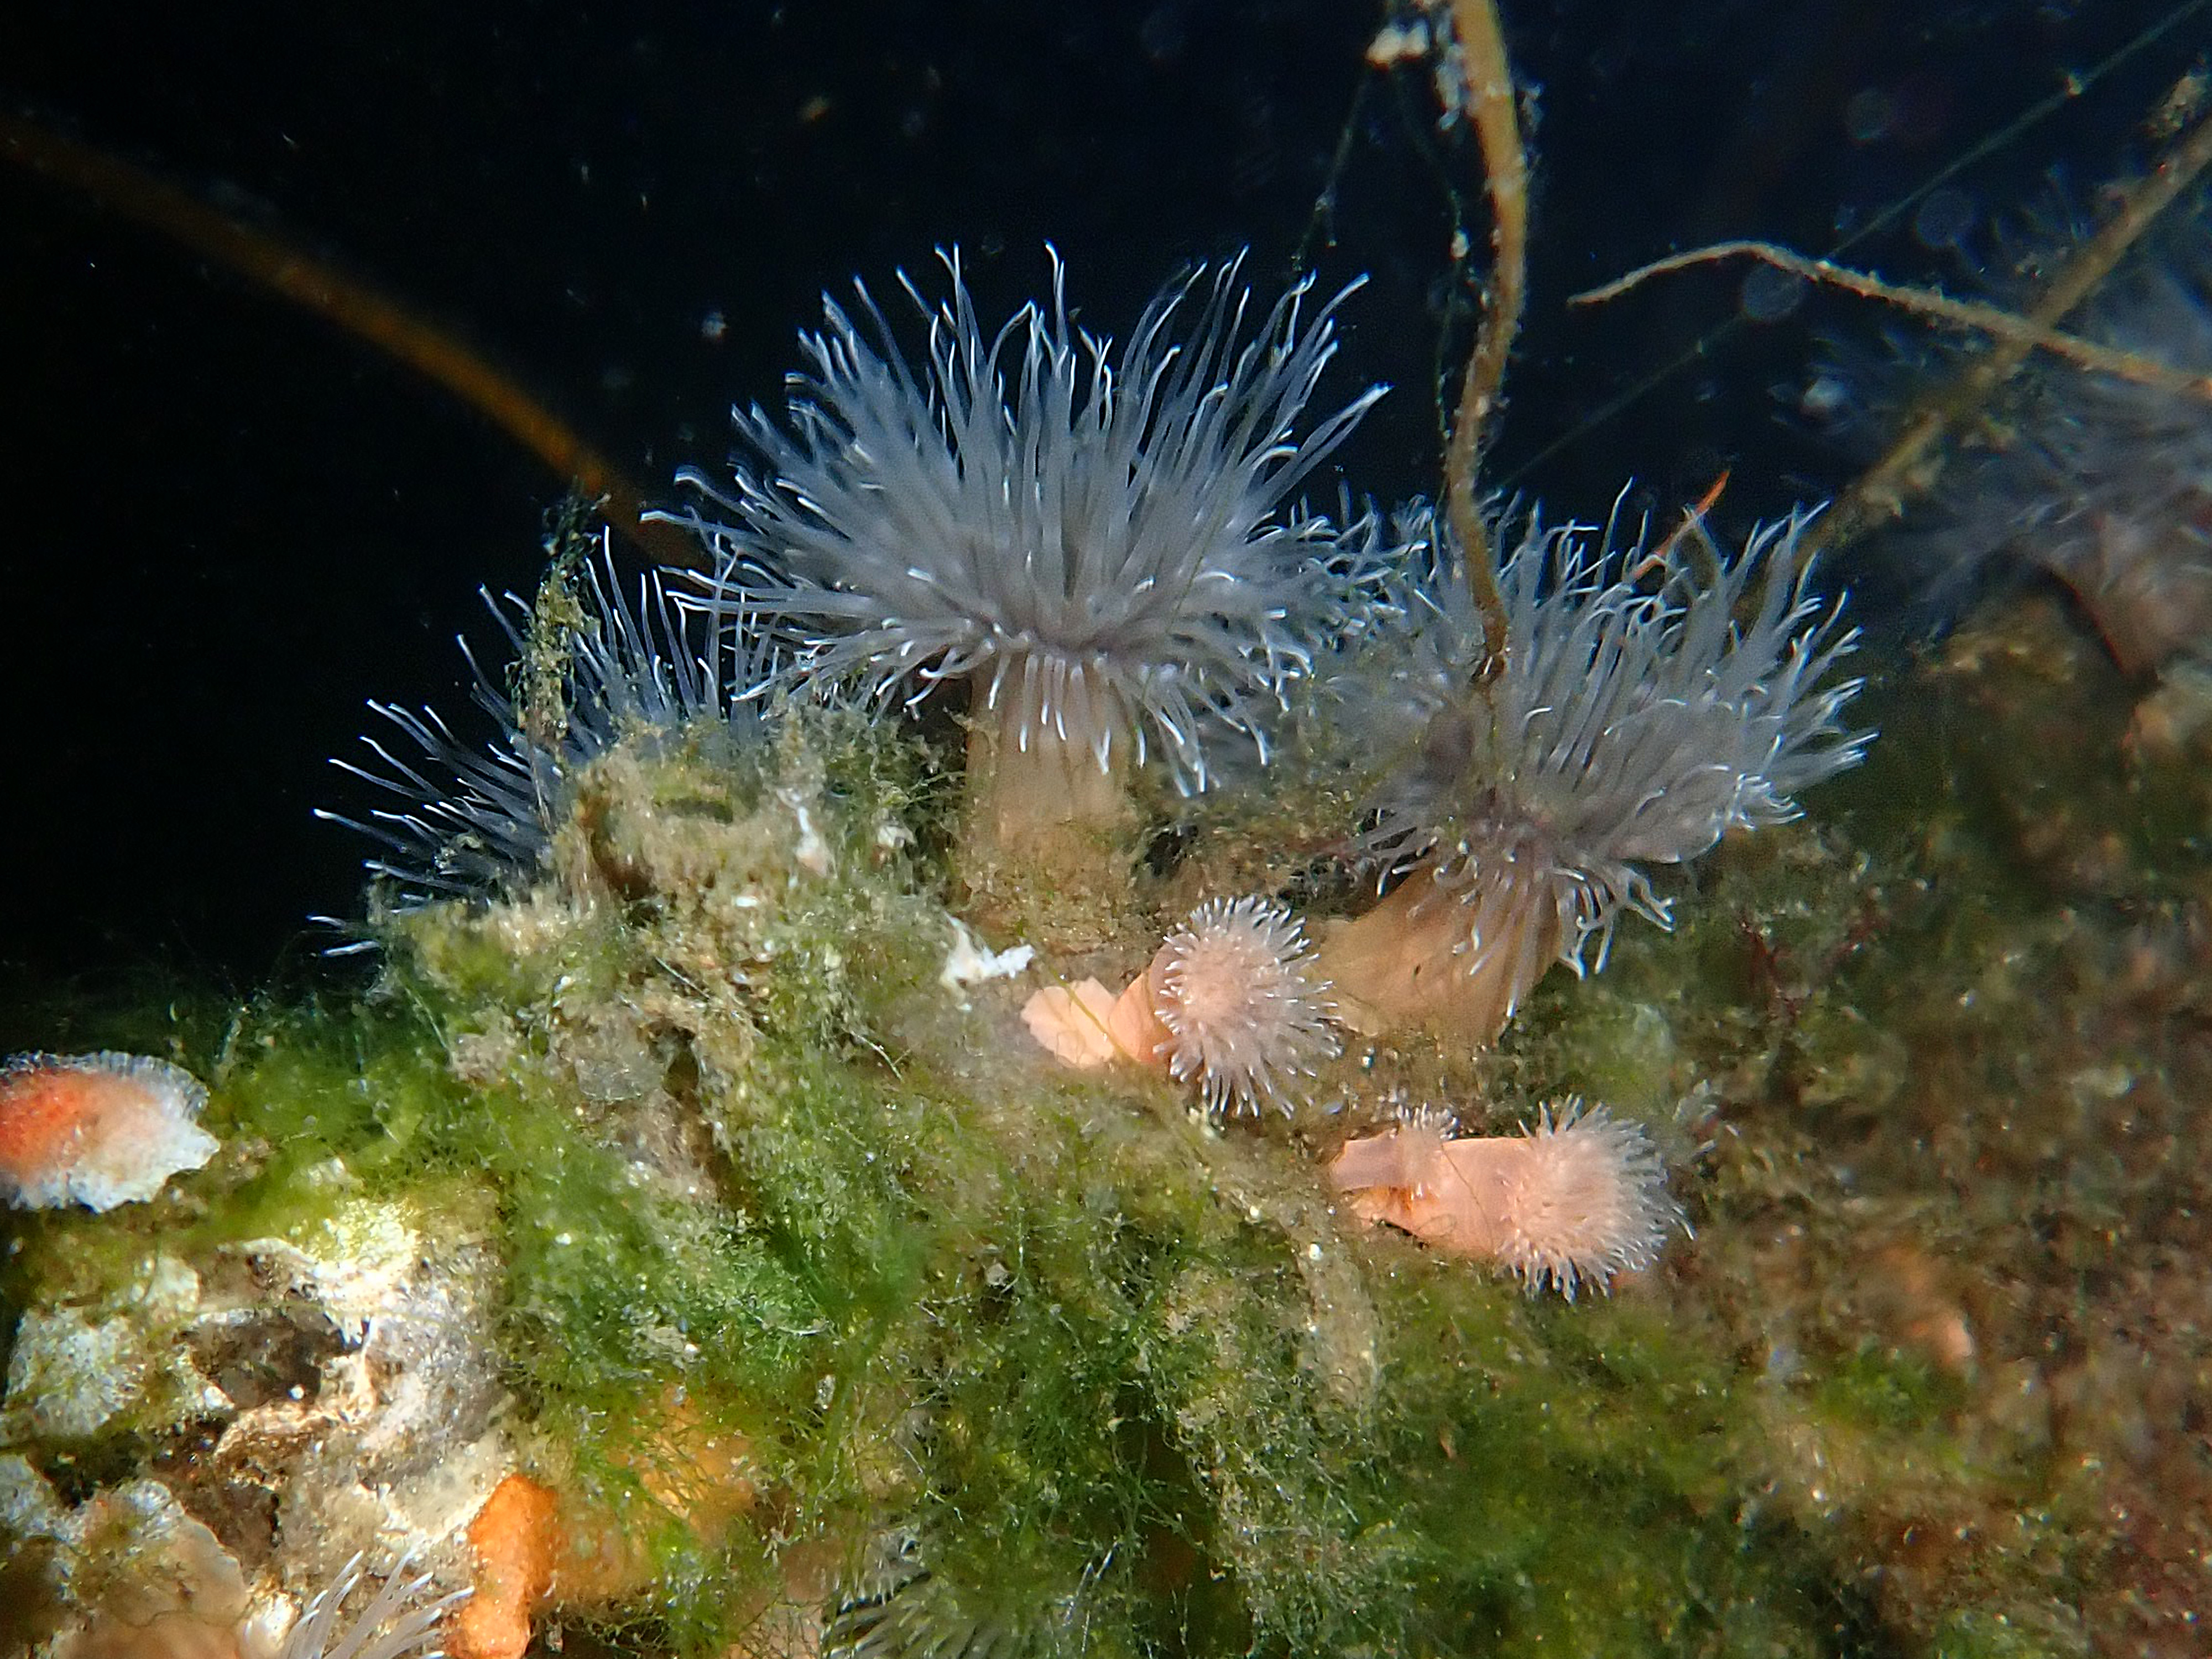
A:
{"points": [[44, 1113], [538, 1547], [516, 1536]]}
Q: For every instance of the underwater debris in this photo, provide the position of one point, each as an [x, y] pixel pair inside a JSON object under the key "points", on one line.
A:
{"points": [[1578, 1197], [397, 1623], [968, 962], [1100, 542], [99, 1129], [476, 820], [1640, 709]]}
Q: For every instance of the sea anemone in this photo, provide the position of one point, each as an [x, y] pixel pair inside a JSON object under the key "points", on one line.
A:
{"points": [[1637, 711], [1237, 1005], [1230, 1000], [473, 820], [1100, 542], [1580, 1197], [397, 1623], [98, 1130], [2102, 482], [894, 1605]]}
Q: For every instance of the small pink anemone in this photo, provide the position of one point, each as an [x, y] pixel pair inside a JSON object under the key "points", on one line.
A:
{"points": [[98, 1130], [1579, 1197], [1230, 1000]]}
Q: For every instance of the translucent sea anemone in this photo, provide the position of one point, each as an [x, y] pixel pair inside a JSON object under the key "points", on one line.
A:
{"points": [[471, 820], [98, 1130], [1578, 1197], [2102, 482], [1639, 711], [397, 1623], [1100, 542]]}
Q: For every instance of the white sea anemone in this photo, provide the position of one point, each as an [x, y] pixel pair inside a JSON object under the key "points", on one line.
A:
{"points": [[1234, 992], [474, 819], [1100, 542], [1645, 702]]}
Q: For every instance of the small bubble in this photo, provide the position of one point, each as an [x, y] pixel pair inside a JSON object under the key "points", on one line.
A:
{"points": [[1867, 118], [1770, 294], [1944, 220]]}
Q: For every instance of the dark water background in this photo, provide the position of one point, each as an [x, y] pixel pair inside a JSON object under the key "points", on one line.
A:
{"points": [[229, 524]]}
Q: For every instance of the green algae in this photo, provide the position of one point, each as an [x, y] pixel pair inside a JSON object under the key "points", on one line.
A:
{"points": [[817, 1286]]}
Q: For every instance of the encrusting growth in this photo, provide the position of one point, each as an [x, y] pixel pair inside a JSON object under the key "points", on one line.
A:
{"points": [[1640, 710], [98, 1130], [1578, 1197], [1100, 542]]}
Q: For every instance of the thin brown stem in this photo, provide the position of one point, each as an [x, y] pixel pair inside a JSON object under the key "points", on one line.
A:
{"points": [[348, 303], [1493, 108], [2015, 330], [1912, 464]]}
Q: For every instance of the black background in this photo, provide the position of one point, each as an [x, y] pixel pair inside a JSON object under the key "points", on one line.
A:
{"points": [[228, 523]]}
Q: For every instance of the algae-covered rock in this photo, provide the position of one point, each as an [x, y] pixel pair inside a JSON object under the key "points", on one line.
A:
{"points": [[708, 1190]]}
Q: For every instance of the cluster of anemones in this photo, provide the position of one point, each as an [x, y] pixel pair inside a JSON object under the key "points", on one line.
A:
{"points": [[1228, 1001], [1105, 547]]}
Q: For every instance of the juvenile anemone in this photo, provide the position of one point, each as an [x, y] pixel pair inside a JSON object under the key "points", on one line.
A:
{"points": [[2104, 483], [1100, 542], [1230, 1000], [1239, 1009], [98, 1130], [1577, 1199], [473, 820], [1638, 712]]}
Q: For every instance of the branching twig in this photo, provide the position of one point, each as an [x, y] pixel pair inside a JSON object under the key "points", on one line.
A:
{"points": [[1905, 471], [1909, 468], [1968, 313]]}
